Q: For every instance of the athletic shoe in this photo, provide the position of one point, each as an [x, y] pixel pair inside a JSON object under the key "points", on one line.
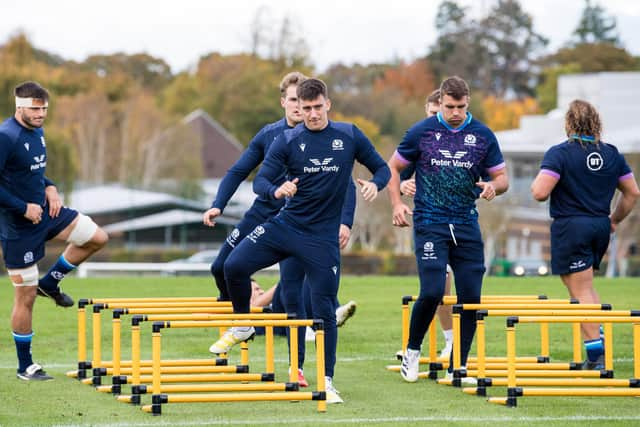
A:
{"points": [[333, 395], [464, 380], [302, 381], [597, 365], [344, 312], [410, 365], [446, 351], [230, 338], [34, 373], [61, 299], [309, 334]]}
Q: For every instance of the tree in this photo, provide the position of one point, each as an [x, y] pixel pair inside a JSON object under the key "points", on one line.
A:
{"points": [[507, 33], [595, 27]]}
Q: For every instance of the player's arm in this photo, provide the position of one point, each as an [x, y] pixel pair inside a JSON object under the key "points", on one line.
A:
{"points": [[407, 182], [348, 212], [543, 184], [369, 157], [7, 200], [496, 169], [400, 210], [240, 170], [271, 169], [53, 199], [630, 194]]}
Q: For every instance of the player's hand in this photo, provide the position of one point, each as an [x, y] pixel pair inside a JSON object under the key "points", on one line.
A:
{"points": [[33, 213], [344, 235], [488, 191], [613, 227], [209, 216], [369, 190], [408, 187], [400, 212], [287, 189], [54, 201]]}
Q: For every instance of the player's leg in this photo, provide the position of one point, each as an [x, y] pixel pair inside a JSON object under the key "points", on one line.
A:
{"points": [[246, 225], [444, 314], [84, 238], [255, 252], [431, 251], [25, 282], [292, 297], [467, 262]]}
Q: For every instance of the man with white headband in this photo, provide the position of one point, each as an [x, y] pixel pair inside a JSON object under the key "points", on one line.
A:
{"points": [[31, 213]]}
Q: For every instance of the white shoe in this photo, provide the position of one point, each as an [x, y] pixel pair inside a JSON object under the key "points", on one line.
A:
{"points": [[344, 312], [464, 380], [310, 334], [446, 351], [333, 395], [410, 365], [232, 337]]}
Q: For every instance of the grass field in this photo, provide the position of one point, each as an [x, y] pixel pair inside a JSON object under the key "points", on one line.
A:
{"points": [[367, 343]]}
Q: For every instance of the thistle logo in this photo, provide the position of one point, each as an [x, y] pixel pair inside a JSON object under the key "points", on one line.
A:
{"points": [[257, 232], [337, 144], [321, 166], [594, 162], [470, 140], [57, 275], [233, 237], [428, 252], [28, 257], [302, 146], [458, 154]]}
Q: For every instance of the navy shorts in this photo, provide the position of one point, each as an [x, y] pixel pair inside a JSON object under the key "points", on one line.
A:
{"points": [[28, 248], [578, 242]]}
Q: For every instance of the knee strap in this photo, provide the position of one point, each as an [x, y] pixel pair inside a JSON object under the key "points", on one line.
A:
{"points": [[83, 231], [29, 275]]}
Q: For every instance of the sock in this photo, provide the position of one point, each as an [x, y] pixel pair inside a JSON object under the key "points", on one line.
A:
{"points": [[595, 349], [49, 282], [448, 336], [23, 348]]}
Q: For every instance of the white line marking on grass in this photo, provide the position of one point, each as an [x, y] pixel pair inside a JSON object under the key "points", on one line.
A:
{"points": [[317, 420]]}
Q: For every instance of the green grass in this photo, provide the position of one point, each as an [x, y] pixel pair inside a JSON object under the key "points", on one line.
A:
{"points": [[368, 342]]}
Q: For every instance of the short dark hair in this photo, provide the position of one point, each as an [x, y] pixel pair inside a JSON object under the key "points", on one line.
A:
{"points": [[310, 89], [31, 90], [434, 97], [454, 87]]}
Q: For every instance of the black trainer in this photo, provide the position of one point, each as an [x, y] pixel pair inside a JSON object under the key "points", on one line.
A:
{"points": [[597, 365], [34, 373], [61, 299]]}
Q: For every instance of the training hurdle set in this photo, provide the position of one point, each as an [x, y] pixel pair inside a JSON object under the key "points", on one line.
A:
{"points": [[540, 376], [169, 380]]}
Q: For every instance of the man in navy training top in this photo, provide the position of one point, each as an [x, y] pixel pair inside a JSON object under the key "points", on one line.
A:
{"points": [[264, 208], [319, 157], [451, 152], [31, 213], [580, 176]]}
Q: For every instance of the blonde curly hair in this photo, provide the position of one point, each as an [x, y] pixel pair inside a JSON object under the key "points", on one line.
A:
{"points": [[582, 122]]}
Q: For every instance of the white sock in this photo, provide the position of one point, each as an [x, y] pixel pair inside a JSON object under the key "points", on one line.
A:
{"points": [[448, 336]]}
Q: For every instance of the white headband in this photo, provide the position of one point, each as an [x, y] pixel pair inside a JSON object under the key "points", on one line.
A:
{"points": [[28, 103]]}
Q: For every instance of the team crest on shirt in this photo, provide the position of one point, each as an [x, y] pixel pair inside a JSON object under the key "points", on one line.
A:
{"points": [[337, 144], [302, 146], [428, 252], [594, 162], [257, 232], [28, 257], [470, 140]]}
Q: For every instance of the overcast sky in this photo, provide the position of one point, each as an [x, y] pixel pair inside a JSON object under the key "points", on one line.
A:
{"points": [[335, 30]]}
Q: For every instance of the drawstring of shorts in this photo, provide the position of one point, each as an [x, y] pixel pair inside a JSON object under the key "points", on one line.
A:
{"points": [[453, 236]]}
